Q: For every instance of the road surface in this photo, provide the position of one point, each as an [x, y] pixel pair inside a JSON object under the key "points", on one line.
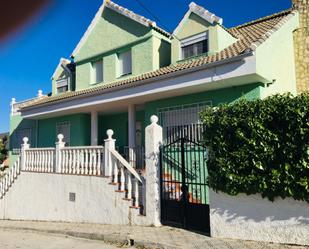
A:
{"points": [[10, 239]]}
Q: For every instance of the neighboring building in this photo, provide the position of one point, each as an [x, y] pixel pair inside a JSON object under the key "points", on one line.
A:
{"points": [[125, 69]]}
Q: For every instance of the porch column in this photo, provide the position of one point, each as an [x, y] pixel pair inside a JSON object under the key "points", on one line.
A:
{"points": [[131, 132], [94, 128]]}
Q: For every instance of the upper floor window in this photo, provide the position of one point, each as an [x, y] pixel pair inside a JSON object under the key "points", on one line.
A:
{"points": [[194, 45], [125, 63], [62, 85], [97, 71]]}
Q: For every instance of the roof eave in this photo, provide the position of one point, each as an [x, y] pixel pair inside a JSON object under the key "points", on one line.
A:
{"points": [[150, 80]]}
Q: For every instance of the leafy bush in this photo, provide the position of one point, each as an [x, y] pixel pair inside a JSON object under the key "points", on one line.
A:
{"points": [[260, 146], [3, 150]]}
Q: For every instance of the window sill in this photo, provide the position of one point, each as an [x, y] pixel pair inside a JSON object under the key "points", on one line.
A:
{"points": [[193, 57], [124, 76]]}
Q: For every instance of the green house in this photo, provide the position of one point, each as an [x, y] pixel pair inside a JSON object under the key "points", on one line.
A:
{"points": [[125, 69]]}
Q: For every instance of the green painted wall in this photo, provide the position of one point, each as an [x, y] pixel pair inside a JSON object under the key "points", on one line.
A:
{"points": [[227, 95], [218, 38], [119, 124], [111, 31], [79, 129], [280, 66], [17, 123], [113, 34], [224, 39]]}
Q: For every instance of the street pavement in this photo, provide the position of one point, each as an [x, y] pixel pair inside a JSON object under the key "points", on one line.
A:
{"points": [[30, 235], [10, 239]]}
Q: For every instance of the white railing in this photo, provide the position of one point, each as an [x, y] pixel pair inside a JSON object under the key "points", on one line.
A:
{"points": [[9, 176], [86, 160], [40, 160], [15, 106], [127, 178], [81, 160]]}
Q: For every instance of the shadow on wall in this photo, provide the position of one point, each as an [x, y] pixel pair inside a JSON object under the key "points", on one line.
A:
{"points": [[124, 23], [254, 208]]}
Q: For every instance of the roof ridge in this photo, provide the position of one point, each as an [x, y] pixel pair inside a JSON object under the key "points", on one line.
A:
{"points": [[206, 14], [133, 15], [262, 19]]}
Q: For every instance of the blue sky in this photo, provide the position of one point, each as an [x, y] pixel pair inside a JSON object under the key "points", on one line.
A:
{"points": [[29, 57]]}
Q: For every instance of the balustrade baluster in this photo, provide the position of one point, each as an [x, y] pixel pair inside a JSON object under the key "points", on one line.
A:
{"points": [[129, 186], [70, 162], [122, 178], [78, 162], [94, 163], [115, 171], [46, 161], [66, 161], [136, 194], [90, 162], [41, 161], [74, 162], [86, 161], [62, 161], [50, 160], [31, 161], [82, 162], [99, 163]]}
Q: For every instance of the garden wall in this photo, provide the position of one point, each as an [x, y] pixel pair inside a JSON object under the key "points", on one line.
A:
{"points": [[251, 217]]}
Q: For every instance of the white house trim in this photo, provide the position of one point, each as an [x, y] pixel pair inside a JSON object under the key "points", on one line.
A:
{"points": [[216, 77], [201, 12], [62, 62]]}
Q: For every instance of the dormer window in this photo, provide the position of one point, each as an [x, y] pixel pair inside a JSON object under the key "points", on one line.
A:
{"points": [[124, 63], [194, 46], [62, 85]]}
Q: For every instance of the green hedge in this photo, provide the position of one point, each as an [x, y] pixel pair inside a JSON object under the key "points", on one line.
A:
{"points": [[260, 146]]}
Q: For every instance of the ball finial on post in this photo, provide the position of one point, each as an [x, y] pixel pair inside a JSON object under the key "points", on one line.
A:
{"points": [[25, 140], [109, 133], [154, 119], [60, 138]]}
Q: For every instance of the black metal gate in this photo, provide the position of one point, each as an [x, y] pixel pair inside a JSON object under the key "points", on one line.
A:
{"points": [[184, 190]]}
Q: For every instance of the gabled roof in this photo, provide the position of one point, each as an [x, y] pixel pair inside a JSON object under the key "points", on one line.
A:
{"points": [[123, 11], [201, 12], [249, 37]]}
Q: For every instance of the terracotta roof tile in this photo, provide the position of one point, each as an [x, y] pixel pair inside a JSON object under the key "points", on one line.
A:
{"points": [[249, 35]]}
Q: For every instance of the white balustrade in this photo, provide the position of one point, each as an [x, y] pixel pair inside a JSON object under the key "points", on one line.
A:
{"points": [[129, 178], [81, 160], [9, 177], [39, 159]]}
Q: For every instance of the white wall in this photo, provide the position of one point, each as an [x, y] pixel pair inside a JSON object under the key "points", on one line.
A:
{"points": [[40, 196], [254, 218]]}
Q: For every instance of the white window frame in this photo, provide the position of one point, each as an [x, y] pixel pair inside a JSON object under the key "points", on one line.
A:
{"points": [[96, 78], [127, 69], [192, 40], [67, 139]]}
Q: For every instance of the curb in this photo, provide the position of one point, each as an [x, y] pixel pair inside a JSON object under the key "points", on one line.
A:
{"points": [[108, 238]]}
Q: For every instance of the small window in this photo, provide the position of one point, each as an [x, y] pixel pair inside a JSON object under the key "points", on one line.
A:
{"points": [[194, 49], [64, 129], [97, 72], [62, 85], [194, 46], [125, 63]]}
